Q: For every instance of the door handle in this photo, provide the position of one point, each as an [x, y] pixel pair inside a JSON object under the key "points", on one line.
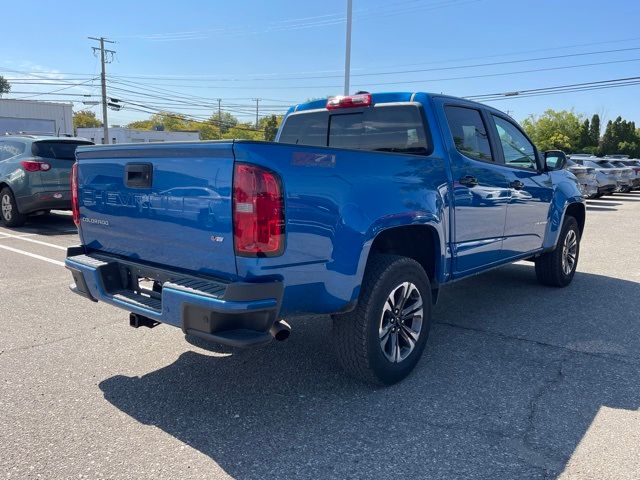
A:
{"points": [[138, 175], [469, 181], [517, 185]]}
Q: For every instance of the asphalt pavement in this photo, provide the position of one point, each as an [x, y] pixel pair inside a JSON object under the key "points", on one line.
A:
{"points": [[518, 380]]}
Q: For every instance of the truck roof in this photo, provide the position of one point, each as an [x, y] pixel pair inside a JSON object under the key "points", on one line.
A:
{"points": [[391, 97]]}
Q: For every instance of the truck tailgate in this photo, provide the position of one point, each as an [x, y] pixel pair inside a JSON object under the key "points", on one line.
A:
{"points": [[167, 204]]}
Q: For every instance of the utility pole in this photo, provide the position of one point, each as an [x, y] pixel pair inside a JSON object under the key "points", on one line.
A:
{"points": [[257, 100], [347, 55], [103, 77], [219, 113]]}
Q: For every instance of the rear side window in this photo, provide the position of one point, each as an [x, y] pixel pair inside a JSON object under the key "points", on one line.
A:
{"points": [[397, 128], [59, 150], [10, 149], [306, 129], [469, 134]]}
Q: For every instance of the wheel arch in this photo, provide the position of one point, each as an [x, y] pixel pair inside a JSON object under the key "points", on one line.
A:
{"points": [[578, 211], [421, 242], [561, 207]]}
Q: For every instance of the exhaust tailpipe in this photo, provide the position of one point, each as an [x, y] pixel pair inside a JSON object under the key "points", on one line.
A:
{"points": [[137, 321], [280, 330]]}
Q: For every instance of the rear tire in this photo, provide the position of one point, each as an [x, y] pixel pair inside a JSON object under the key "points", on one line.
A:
{"points": [[557, 268], [9, 213], [376, 342]]}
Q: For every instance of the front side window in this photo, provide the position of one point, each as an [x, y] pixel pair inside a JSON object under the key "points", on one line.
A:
{"points": [[469, 134], [517, 149]]}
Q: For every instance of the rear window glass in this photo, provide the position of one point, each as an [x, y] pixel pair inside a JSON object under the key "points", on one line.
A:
{"points": [[10, 149], [395, 128], [59, 150]]}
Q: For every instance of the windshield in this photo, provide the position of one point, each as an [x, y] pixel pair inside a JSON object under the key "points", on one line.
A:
{"points": [[589, 163], [59, 150], [397, 128], [605, 165]]}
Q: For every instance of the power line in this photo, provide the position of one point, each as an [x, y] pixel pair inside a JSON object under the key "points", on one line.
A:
{"points": [[197, 119], [518, 92], [297, 24], [421, 70], [207, 78], [574, 87]]}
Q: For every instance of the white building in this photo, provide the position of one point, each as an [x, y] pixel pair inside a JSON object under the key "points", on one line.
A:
{"points": [[34, 116], [129, 135]]}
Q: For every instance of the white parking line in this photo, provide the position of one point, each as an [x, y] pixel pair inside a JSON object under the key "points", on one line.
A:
{"points": [[32, 255], [22, 237]]}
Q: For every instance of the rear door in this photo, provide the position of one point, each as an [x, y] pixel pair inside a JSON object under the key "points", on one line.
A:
{"points": [[60, 155], [480, 190], [531, 190]]}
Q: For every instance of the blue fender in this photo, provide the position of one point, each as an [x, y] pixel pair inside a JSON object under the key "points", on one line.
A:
{"points": [[566, 194]]}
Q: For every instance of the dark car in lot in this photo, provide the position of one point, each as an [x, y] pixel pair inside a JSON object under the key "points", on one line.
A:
{"points": [[34, 175]]}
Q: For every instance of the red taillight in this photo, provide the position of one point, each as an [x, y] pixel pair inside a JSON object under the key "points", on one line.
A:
{"points": [[31, 166], [351, 101], [258, 212], [75, 204]]}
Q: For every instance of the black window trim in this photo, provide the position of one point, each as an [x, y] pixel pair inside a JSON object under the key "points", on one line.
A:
{"points": [[492, 147], [494, 133], [418, 105]]}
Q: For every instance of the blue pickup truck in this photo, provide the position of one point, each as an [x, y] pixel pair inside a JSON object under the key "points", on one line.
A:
{"points": [[363, 208]]}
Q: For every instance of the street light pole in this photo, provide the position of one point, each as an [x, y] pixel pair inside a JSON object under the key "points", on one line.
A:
{"points": [[347, 56]]}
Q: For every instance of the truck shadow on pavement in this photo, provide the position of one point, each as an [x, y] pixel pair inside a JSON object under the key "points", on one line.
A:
{"points": [[513, 377]]}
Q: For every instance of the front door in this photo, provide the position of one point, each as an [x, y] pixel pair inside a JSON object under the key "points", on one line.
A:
{"points": [[530, 189]]}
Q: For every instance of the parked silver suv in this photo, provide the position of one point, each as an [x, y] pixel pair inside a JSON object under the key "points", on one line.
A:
{"points": [[34, 175]]}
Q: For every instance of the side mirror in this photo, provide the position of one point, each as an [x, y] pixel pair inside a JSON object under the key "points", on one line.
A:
{"points": [[554, 160]]}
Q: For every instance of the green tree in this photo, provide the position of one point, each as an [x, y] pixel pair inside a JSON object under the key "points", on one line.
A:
{"points": [[141, 125], [270, 126], [171, 122], [594, 130], [85, 119], [585, 140], [5, 86], [209, 130], [225, 121], [554, 130], [620, 136], [244, 131]]}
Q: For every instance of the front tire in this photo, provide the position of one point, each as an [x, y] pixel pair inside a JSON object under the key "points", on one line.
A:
{"points": [[9, 213], [383, 338], [557, 268]]}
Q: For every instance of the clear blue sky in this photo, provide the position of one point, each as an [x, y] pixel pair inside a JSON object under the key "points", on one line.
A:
{"points": [[285, 51]]}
